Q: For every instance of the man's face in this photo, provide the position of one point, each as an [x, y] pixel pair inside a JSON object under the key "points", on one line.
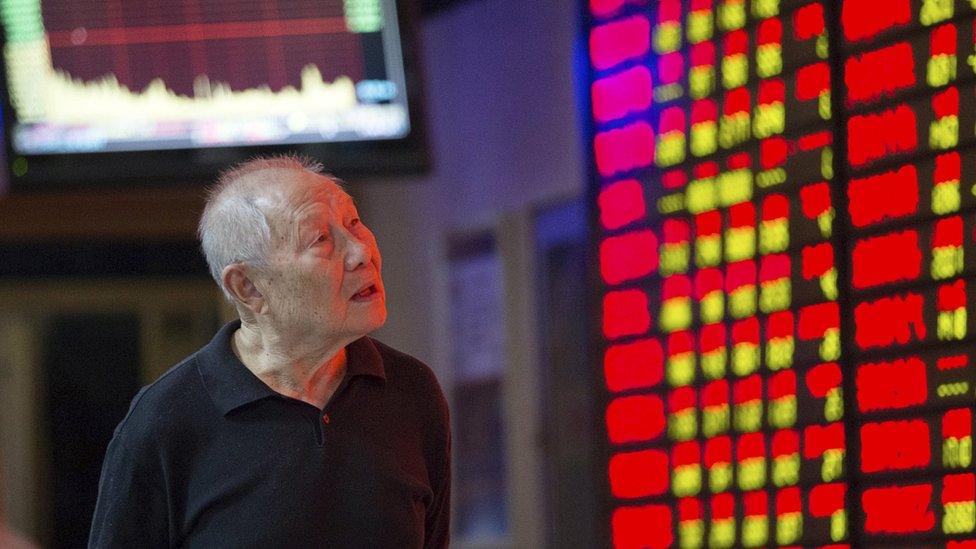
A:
{"points": [[323, 277]]}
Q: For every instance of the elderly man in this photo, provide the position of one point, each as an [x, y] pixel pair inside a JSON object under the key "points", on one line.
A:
{"points": [[291, 428]]}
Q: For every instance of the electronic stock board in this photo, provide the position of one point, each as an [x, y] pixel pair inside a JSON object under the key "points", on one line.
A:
{"points": [[784, 196]]}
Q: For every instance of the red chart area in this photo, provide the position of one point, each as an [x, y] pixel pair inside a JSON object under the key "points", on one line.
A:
{"points": [[245, 46], [785, 194]]}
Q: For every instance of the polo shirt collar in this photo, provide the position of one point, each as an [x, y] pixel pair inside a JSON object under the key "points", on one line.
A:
{"points": [[231, 385]]}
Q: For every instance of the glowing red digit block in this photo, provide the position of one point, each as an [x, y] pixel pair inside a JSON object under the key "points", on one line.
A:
{"points": [[686, 453], [742, 215], [788, 501], [782, 385], [723, 508], [808, 21], [628, 256], [739, 160], [676, 231], [603, 8], [770, 31], [815, 200], [822, 378], [718, 451], [736, 101], [817, 260], [625, 312], [874, 136], [619, 41], [817, 439], [786, 443], [639, 474], [887, 258], [898, 509], [621, 203], [633, 365], [774, 268], [957, 423], [948, 232], [894, 445], [746, 332], [812, 80], [748, 390], [952, 296], [815, 320], [861, 19], [715, 394], [707, 281], [826, 499], [879, 72], [943, 41], [736, 43], [635, 419], [751, 445], [813, 141], [674, 179], [712, 338], [621, 94], [644, 527], [624, 149], [888, 195], [740, 274], [891, 385], [946, 103], [889, 320], [702, 55], [772, 152], [670, 67], [689, 510], [952, 362], [958, 488], [755, 504]]}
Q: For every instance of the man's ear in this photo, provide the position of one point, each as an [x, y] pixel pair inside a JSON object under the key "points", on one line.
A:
{"points": [[241, 288]]}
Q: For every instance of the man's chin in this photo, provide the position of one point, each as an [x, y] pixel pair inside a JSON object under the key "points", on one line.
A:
{"points": [[378, 322]]}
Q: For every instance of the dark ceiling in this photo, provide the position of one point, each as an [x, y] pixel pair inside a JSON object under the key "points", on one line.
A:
{"points": [[433, 7]]}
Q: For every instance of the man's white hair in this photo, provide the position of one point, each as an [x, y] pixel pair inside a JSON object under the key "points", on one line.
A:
{"points": [[233, 228]]}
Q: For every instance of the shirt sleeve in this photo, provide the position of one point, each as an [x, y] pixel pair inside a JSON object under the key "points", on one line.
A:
{"points": [[131, 510], [438, 524]]}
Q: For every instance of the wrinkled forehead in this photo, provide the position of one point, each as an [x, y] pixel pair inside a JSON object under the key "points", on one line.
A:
{"points": [[288, 198]]}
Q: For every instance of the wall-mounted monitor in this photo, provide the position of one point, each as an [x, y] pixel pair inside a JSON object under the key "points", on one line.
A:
{"points": [[142, 90]]}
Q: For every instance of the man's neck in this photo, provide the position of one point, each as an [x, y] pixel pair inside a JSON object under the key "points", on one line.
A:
{"points": [[310, 371]]}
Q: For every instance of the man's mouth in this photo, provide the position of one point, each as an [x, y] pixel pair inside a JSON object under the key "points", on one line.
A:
{"points": [[366, 293]]}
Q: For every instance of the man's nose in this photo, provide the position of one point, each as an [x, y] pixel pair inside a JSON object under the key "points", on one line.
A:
{"points": [[357, 252]]}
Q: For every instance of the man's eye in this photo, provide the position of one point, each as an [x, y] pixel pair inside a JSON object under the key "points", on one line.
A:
{"points": [[321, 238], [354, 222]]}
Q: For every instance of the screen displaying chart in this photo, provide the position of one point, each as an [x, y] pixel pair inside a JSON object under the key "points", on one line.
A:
{"points": [[128, 76], [784, 196]]}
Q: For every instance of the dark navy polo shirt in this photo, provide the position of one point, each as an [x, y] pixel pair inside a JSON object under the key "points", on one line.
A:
{"points": [[210, 456]]}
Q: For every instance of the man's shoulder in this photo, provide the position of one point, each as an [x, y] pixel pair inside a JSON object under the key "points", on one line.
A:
{"points": [[411, 375], [165, 404], [402, 366], [396, 356]]}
